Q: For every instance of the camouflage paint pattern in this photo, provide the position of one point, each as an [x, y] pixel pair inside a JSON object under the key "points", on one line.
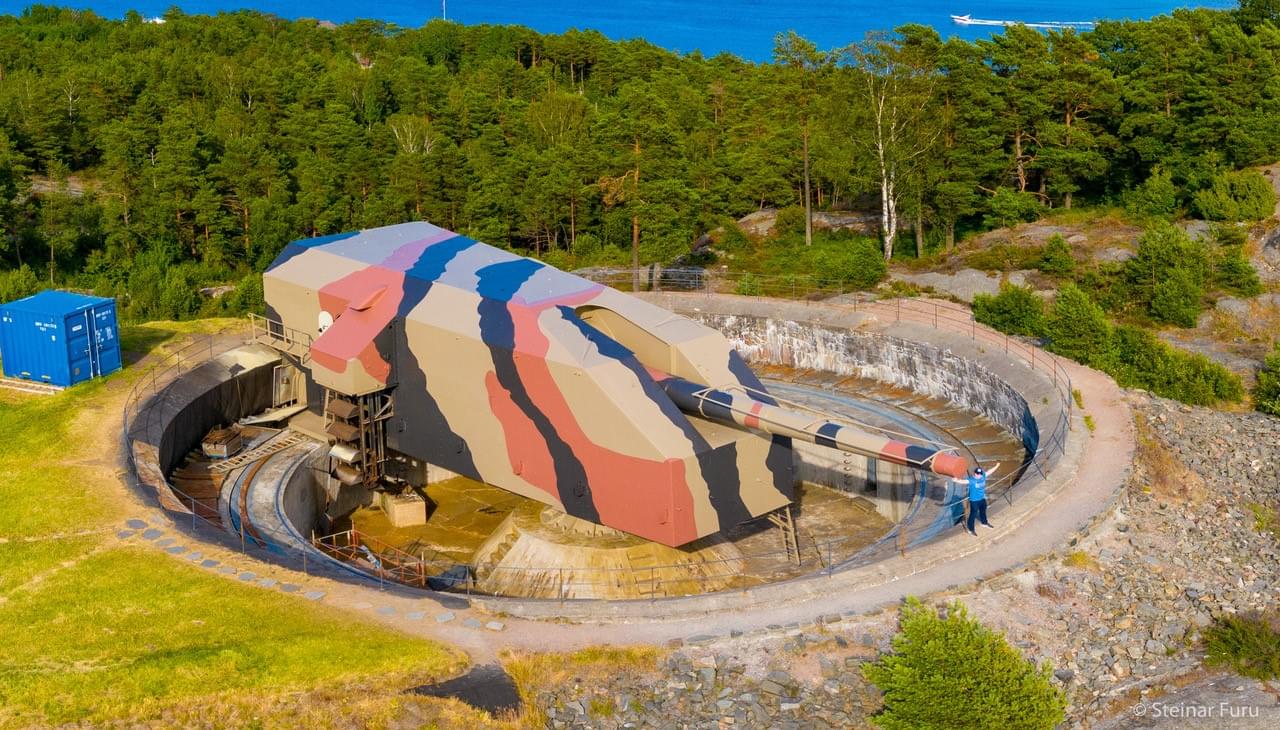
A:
{"points": [[530, 379], [736, 405], [517, 374]]}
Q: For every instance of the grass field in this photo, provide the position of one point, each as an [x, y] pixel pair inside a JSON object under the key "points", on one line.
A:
{"points": [[97, 631]]}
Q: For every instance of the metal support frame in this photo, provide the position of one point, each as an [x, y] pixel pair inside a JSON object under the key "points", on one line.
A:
{"points": [[369, 420]]}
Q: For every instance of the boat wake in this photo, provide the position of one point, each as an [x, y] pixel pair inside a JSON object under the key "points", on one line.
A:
{"points": [[1046, 24]]}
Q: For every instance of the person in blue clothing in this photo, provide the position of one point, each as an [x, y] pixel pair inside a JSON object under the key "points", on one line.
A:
{"points": [[977, 482]]}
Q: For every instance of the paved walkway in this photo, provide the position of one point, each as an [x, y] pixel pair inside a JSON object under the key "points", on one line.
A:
{"points": [[1033, 525]]}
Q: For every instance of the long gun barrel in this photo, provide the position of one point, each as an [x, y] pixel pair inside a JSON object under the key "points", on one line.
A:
{"points": [[750, 410]]}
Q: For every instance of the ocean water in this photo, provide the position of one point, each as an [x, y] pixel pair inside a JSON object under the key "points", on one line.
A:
{"points": [[742, 27]]}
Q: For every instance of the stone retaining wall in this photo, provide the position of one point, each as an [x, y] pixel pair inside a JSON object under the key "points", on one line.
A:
{"points": [[917, 366], [218, 392]]}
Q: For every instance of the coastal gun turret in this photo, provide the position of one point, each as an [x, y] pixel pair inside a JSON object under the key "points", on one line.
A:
{"points": [[425, 353]]}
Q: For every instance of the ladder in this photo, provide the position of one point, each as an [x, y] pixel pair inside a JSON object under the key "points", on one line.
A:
{"points": [[786, 524], [277, 443]]}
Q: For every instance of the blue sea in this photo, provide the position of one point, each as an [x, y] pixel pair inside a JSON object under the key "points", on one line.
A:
{"points": [[742, 27]]}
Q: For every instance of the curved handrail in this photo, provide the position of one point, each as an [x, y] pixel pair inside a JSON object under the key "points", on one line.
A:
{"points": [[817, 556]]}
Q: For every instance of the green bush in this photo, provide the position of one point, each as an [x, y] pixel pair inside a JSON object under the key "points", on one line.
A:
{"points": [[733, 239], [790, 220], [246, 297], [857, 263], [1232, 272], [1015, 310], [1266, 393], [180, 296], [1169, 274], [748, 286], [1107, 284], [1247, 645], [952, 672], [1078, 328], [1236, 196], [1229, 234], [1140, 360], [1056, 258], [1009, 207], [1155, 197], [18, 283], [1177, 299], [1005, 257]]}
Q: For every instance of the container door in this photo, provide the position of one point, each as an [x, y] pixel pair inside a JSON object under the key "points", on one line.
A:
{"points": [[106, 339], [80, 346]]}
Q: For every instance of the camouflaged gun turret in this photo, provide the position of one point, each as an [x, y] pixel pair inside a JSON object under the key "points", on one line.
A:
{"points": [[421, 346]]}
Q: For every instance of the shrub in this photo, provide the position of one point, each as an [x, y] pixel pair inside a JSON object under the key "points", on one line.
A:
{"points": [[1229, 234], [1077, 327], [790, 220], [18, 283], [1168, 274], [180, 295], [1177, 299], [951, 671], [1155, 197], [1015, 310], [246, 297], [1236, 196], [1266, 393], [1248, 645], [1080, 559], [1107, 284], [748, 286], [1056, 258], [733, 239], [1009, 207], [1266, 518], [857, 263], [1005, 257], [1140, 360], [1233, 272]]}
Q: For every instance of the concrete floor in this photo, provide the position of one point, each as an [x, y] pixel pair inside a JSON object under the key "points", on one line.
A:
{"points": [[833, 525]]}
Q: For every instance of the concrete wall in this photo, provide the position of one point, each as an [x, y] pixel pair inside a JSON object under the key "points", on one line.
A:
{"points": [[917, 366], [890, 487], [304, 498], [218, 392]]}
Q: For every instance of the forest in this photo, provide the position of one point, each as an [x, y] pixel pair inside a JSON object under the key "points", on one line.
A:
{"points": [[151, 161]]}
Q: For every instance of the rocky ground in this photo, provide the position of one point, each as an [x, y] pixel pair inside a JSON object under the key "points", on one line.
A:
{"points": [[1118, 614]]}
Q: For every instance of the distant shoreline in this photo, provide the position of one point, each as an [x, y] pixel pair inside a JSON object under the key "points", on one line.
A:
{"points": [[709, 28]]}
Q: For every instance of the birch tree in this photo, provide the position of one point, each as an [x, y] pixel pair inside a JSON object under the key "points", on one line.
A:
{"points": [[894, 87]]}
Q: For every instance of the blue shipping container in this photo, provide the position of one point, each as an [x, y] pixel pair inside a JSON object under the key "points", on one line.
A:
{"points": [[59, 337]]}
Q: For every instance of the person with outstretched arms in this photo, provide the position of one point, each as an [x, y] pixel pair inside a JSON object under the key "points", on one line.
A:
{"points": [[977, 482]]}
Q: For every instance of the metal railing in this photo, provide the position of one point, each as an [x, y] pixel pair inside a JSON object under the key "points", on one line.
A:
{"points": [[375, 559], [146, 411], [280, 336]]}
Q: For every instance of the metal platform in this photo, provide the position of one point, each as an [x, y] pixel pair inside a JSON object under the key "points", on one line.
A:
{"points": [[278, 443]]}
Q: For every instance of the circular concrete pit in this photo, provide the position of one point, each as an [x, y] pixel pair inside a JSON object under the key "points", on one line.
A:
{"points": [[850, 510]]}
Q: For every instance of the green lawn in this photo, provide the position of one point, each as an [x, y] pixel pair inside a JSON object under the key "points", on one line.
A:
{"points": [[95, 630]]}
